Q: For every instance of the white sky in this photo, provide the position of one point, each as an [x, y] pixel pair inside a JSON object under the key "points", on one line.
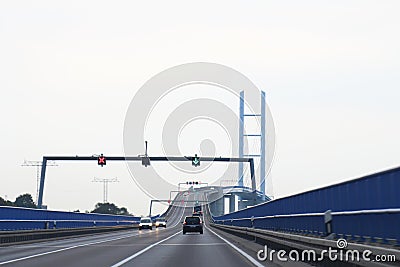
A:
{"points": [[68, 70]]}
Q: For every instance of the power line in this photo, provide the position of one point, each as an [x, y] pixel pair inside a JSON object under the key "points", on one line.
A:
{"points": [[105, 182], [38, 165]]}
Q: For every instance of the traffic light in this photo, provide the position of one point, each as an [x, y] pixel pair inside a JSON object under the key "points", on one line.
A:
{"points": [[195, 161], [145, 158], [146, 161], [101, 160]]}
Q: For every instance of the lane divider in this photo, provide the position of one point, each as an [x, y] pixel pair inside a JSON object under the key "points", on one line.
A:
{"points": [[151, 246], [183, 212], [143, 250], [195, 244], [64, 249], [73, 240]]}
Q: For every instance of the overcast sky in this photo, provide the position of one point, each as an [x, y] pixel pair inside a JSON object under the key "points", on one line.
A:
{"points": [[69, 69]]}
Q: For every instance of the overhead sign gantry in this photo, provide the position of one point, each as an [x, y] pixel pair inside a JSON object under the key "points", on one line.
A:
{"points": [[102, 160]]}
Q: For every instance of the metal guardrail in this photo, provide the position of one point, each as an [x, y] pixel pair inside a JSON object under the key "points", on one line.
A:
{"points": [[305, 242], [367, 226], [318, 214], [13, 237]]}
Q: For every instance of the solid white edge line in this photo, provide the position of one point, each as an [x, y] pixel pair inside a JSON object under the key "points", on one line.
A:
{"points": [[81, 245], [143, 251], [244, 254], [77, 240], [199, 244], [67, 248]]}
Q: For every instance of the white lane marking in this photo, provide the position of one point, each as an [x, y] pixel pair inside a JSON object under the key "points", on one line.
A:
{"points": [[200, 244], [48, 244], [183, 212], [81, 245], [64, 249], [143, 251], [247, 256], [151, 246], [173, 213], [95, 246]]}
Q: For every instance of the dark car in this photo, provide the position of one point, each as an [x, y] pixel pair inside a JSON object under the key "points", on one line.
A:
{"points": [[192, 224], [197, 209]]}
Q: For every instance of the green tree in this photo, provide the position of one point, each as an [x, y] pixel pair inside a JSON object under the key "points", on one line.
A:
{"points": [[105, 208], [109, 208], [4, 202], [123, 211], [25, 201]]}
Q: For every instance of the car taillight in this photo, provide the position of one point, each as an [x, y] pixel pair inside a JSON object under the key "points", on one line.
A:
{"points": [[184, 223]]}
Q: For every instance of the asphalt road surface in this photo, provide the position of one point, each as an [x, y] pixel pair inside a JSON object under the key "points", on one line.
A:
{"points": [[157, 247]]}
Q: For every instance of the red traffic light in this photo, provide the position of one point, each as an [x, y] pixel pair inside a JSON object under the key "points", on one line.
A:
{"points": [[101, 160]]}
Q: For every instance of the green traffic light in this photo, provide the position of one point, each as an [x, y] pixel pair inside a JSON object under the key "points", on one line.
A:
{"points": [[196, 160]]}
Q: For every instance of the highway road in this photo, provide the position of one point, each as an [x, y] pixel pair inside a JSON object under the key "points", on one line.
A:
{"points": [[160, 247]]}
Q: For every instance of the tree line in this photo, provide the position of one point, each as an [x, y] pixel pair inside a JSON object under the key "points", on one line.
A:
{"points": [[26, 201]]}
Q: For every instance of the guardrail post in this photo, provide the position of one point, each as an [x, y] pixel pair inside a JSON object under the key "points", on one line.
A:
{"points": [[328, 222], [252, 226]]}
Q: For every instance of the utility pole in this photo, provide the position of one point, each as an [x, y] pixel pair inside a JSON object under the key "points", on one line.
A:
{"points": [[105, 182], [38, 165]]}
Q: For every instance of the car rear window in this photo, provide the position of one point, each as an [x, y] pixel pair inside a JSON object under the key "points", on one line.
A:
{"points": [[145, 221], [160, 220], [192, 220]]}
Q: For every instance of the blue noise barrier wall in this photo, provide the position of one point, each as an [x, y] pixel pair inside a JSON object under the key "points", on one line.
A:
{"points": [[12, 218], [363, 208]]}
